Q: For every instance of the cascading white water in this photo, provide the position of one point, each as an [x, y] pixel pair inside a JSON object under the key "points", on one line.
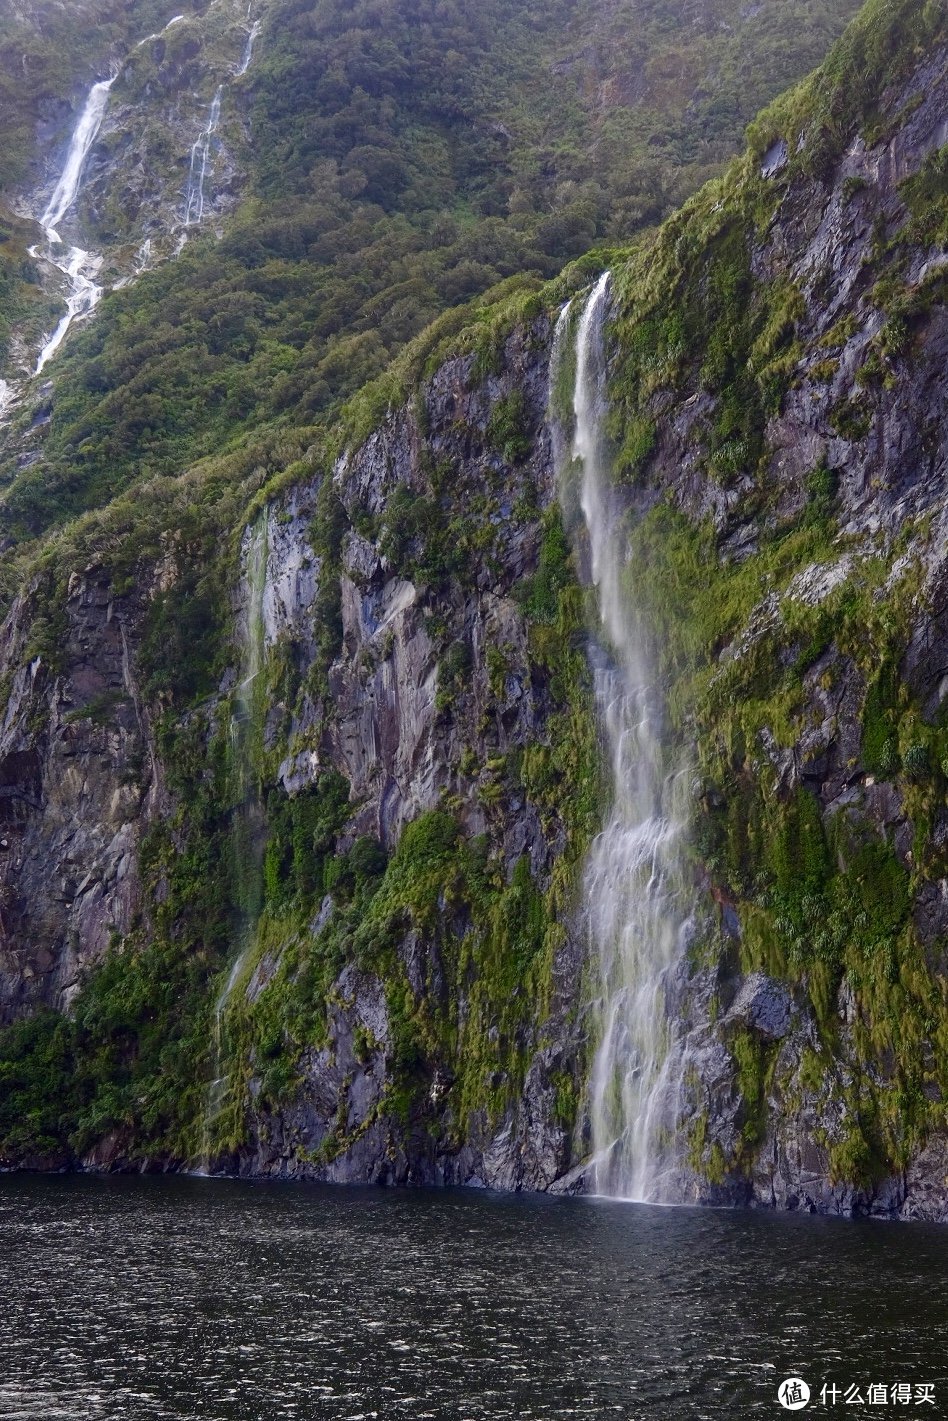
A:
{"points": [[175, 20], [67, 189], [244, 64], [200, 155], [83, 297], [634, 895], [78, 266]]}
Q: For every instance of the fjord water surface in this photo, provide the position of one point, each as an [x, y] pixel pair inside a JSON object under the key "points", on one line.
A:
{"points": [[128, 1299]]}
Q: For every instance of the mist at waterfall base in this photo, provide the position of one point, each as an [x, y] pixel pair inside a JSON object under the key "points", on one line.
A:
{"points": [[181, 1298], [635, 903]]}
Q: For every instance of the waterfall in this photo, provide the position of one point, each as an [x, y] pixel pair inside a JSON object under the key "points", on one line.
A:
{"points": [[83, 296], [244, 64], [200, 153], [247, 831], [175, 20], [78, 266], [633, 886], [67, 189]]}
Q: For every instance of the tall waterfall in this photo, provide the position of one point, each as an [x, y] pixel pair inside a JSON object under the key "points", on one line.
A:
{"points": [[67, 189], [247, 822], [78, 266], [634, 894], [200, 156]]}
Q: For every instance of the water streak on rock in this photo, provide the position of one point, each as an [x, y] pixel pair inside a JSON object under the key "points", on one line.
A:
{"points": [[200, 158], [246, 835], [244, 64]]}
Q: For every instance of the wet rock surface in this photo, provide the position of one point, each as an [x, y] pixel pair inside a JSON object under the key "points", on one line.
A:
{"points": [[81, 779]]}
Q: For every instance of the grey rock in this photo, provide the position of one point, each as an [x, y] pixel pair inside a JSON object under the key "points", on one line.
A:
{"points": [[763, 1005]]}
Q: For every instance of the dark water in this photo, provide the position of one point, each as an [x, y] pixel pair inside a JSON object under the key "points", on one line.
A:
{"points": [[127, 1299]]}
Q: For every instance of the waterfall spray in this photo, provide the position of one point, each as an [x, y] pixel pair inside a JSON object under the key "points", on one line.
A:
{"points": [[634, 893]]}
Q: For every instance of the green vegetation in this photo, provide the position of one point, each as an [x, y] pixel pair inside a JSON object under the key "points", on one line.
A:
{"points": [[402, 161], [752, 655], [430, 162]]}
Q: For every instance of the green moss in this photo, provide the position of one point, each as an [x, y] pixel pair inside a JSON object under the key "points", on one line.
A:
{"points": [[925, 194], [880, 718], [854, 1160], [507, 428], [540, 595], [851, 418], [753, 1061], [302, 830]]}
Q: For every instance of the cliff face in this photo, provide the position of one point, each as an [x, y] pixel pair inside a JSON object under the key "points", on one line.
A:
{"points": [[394, 1003], [293, 821], [440, 688], [780, 362], [74, 751]]}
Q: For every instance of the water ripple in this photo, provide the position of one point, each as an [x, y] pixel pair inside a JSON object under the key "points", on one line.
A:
{"points": [[129, 1299]]}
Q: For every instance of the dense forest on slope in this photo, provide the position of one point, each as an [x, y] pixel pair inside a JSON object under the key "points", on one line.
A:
{"points": [[323, 698], [400, 160]]}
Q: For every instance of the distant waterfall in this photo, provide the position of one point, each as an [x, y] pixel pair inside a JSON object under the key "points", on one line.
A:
{"points": [[635, 902], [78, 266], [200, 155], [247, 823], [175, 20], [252, 33]]}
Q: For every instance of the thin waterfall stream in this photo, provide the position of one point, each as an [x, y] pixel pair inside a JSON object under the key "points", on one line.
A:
{"points": [[247, 55], [200, 157], [247, 825], [634, 891]]}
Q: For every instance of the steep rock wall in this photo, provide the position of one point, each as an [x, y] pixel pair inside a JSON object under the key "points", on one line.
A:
{"points": [[372, 816], [780, 363], [78, 778], [315, 912]]}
